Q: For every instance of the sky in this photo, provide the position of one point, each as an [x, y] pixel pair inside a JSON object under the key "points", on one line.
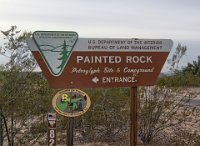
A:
{"points": [[178, 20]]}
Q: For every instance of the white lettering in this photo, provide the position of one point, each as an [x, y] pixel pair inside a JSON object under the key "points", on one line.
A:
{"points": [[108, 70], [138, 59], [98, 59], [132, 70], [135, 59], [149, 59], [90, 71], [119, 79], [79, 58]]}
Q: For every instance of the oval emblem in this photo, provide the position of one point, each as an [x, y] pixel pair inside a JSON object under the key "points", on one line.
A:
{"points": [[71, 102]]}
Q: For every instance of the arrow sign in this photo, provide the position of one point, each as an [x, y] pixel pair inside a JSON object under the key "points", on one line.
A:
{"points": [[95, 80], [69, 61]]}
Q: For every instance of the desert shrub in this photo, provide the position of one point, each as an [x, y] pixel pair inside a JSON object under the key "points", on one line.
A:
{"points": [[197, 140], [108, 118], [179, 80], [160, 110], [38, 128]]}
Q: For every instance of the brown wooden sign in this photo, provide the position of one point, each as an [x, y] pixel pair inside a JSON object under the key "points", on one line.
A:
{"points": [[69, 61]]}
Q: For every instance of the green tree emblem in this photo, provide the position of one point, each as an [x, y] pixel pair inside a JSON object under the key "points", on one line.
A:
{"points": [[64, 55]]}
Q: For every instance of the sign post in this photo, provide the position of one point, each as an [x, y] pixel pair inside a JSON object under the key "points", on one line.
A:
{"points": [[68, 61], [70, 131], [133, 117]]}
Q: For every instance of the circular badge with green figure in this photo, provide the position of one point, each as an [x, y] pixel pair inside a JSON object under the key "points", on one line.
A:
{"points": [[71, 102]]}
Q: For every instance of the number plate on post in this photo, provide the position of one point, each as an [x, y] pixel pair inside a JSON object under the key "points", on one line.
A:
{"points": [[51, 129]]}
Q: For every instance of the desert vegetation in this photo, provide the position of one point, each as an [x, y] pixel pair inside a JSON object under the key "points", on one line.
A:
{"points": [[168, 113]]}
